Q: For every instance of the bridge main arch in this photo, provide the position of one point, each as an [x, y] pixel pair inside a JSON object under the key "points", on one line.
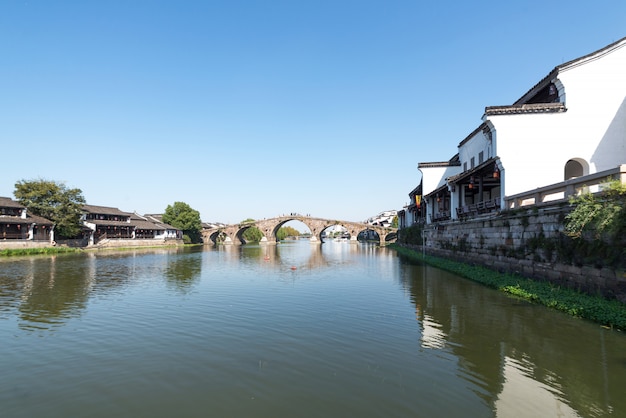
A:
{"points": [[233, 234]]}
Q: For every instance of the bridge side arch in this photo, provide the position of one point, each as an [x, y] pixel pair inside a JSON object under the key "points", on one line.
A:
{"points": [[233, 234]]}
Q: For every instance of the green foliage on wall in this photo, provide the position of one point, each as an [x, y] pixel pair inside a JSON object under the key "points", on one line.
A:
{"points": [[411, 235], [596, 228], [601, 216]]}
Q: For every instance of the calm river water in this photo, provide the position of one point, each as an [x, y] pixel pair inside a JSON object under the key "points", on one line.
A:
{"points": [[293, 330]]}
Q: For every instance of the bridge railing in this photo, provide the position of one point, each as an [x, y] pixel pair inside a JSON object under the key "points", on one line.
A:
{"points": [[562, 191]]}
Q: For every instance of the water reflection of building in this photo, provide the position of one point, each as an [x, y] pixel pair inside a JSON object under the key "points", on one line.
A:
{"points": [[432, 334], [46, 292], [516, 352], [520, 386], [52, 291]]}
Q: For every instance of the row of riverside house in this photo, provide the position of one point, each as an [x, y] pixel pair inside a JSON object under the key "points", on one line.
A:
{"points": [[100, 224], [564, 134]]}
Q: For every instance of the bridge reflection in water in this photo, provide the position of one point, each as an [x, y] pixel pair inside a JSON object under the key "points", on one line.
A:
{"points": [[233, 234], [282, 257], [451, 347]]}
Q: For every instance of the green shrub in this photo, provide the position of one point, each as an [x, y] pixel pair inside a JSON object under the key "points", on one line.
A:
{"points": [[37, 251]]}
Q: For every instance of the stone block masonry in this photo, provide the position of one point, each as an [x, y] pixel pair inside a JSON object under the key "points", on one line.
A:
{"points": [[522, 241]]}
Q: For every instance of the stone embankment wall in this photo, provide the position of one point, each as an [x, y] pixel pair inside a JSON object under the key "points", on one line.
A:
{"points": [[111, 243], [522, 242], [118, 243], [22, 244]]}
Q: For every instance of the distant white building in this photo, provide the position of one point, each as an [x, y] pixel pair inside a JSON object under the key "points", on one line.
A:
{"points": [[383, 219], [572, 123]]}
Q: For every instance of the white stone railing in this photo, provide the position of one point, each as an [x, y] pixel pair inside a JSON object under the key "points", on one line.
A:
{"points": [[592, 183]]}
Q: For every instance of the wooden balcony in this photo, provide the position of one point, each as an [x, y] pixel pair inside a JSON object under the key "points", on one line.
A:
{"points": [[487, 206]]}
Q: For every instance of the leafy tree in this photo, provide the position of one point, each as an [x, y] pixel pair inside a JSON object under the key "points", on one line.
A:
{"points": [[55, 201], [394, 222], [183, 217], [286, 231], [251, 234]]}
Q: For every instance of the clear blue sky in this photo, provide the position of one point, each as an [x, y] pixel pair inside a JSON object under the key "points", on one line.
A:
{"points": [[250, 109]]}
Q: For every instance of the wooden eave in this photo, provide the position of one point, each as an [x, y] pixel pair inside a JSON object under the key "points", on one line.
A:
{"points": [[439, 189], [457, 178]]}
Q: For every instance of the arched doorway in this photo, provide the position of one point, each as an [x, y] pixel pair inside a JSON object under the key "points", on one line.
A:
{"points": [[575, 167]]}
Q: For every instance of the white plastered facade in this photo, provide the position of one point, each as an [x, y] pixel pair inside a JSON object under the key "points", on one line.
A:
{"points": [[581, 125], [535, 147]]}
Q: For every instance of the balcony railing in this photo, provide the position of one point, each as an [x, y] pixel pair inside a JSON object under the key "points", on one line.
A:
{"points": [[13, 235], [479, 208], [443, 215]]}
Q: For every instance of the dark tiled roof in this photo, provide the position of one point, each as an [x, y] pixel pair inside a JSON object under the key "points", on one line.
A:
{"points": [[104, 210], [158, 219], [474, 170], [416, 190], [7, 219], [7, 202], [594, 55], [100, 222], [570, 64], [525, 109], [439, 189], [144, 224], [452, 162], [141, 222], [30, 219], [481, 127], [39, 220]]}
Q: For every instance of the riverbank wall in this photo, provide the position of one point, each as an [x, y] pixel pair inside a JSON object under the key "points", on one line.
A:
{"points": [[83, 243], [529, 242], [23, 244], [126, 243]]}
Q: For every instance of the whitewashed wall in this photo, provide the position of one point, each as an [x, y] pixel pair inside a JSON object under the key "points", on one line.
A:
{"points": [[472, 148], [534, 148]]}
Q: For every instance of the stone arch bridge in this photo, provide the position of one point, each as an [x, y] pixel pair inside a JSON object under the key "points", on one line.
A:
{"points": [[233, 234]]}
